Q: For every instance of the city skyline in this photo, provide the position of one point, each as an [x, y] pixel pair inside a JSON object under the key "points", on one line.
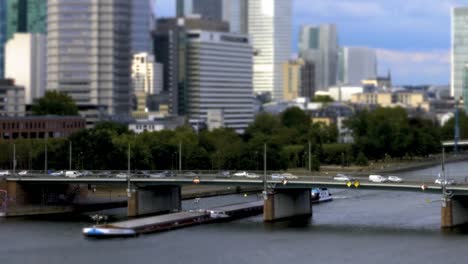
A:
{"points": [[416, 49]]}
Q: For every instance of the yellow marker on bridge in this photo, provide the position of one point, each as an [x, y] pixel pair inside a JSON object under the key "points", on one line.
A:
{"points": [[349, 184], [356, 184]]}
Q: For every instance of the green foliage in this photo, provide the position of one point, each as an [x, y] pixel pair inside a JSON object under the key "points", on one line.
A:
{"points": [[361, 159], [55, 103], [322, 99], [337, 153], [389, 131], [448, 130]]}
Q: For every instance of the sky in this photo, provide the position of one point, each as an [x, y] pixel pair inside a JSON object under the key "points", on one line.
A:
{"points": [[412, 37]]}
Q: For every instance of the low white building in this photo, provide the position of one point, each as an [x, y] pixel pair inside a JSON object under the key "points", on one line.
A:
{"points": [[344, 93], [156, 123], [26, 63]]}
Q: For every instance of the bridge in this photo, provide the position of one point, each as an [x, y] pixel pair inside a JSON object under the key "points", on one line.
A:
{"points": [[283, 198]]}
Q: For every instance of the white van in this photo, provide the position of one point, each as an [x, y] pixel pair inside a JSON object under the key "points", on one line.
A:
{"points": [[377, 178], [72, 174]]}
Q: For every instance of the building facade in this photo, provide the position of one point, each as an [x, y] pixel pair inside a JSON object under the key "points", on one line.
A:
{"points": [[171, 40], [459, 58], [32, 127], [319, 44], [308, 79], [11, 99], [89, 52], [146, 79], [270, 25], [236, 13], [142, 25], [206, 9], [357, 64], [220, 78], [25, 62], [26, 16], [3, 33], [292, 79]]}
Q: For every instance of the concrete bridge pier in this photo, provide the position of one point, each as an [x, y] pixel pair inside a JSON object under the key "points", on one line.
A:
{"points": [[287, 203], [154, 200], [454, 211]]}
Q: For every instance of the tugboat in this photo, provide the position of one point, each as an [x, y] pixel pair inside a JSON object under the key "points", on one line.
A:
{"points": [[320, 195]]}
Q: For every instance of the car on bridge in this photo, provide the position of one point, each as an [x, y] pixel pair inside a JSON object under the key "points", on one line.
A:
{"points": [[441, 181], [342, 177], [224, 174], [241, 174], [162, 174], [251, 175], [189, 174], [377, 178], [289, 176], [73, 174], [4, 173], [394, 179], [121, 175], [57, 173]]}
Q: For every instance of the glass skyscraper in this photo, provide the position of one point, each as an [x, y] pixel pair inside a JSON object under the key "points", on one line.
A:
{"points": [[3, 13], [207, 9], [459, 60], [319, 44], [26, 16], [270, 25], [142, 24], [88, 52]]}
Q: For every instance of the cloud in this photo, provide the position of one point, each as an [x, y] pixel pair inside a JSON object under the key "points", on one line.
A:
{"points": [[416, 67]]}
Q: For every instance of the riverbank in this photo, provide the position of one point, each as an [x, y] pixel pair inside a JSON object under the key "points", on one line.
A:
{"points": [[394, 166]]}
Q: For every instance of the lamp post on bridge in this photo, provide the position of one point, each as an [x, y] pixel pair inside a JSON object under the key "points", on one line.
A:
{"points": [[265, 187]]}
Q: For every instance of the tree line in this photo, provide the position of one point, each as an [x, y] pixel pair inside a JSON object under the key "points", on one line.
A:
{"points": [[378, 134]]}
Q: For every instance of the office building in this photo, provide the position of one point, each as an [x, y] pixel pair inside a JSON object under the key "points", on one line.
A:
{"points": [[307, 79], [357, 64], [26, 16], [142, 25], [25, 62], [3, 32], [11, 98], [270, 25], [146, 79], [292, 79], [89, 53], [319, 44], [171, 38], [235, 12], [206, 9], [459, 58], [219, 67]]}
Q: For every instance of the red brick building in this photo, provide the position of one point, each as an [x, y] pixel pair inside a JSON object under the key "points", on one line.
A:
{"points": [[12, 128]]}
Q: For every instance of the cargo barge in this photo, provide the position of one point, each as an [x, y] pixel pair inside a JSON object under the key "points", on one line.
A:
{"points": [[166, 222]]}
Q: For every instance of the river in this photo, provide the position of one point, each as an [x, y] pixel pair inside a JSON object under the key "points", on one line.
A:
{"points": [[357, 227]]}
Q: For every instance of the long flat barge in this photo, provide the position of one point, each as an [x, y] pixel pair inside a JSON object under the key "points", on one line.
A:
{"points": [[173, 221]]}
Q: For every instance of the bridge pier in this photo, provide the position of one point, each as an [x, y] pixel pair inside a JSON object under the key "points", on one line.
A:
{"points": [[287, 203], [454, 211], [154, 200]]}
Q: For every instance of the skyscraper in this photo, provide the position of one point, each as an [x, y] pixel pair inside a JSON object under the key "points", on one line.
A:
{"points": [[171, 40], [207, 9], [269, 24], [89, 52], [146, 79], [26, 16], [25, 62], [319, 44], [219, 66], [357, 64], [142, 24], [235, 12], [459, 59], [3, 32]]}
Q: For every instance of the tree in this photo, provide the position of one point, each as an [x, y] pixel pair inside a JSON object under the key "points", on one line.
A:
{"points": [[55, 103], [362, 160], [322, 99]]}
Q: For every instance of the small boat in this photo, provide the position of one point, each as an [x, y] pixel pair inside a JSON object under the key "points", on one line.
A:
{"points": [[103, 232], [215, 214], [320, 195]]}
